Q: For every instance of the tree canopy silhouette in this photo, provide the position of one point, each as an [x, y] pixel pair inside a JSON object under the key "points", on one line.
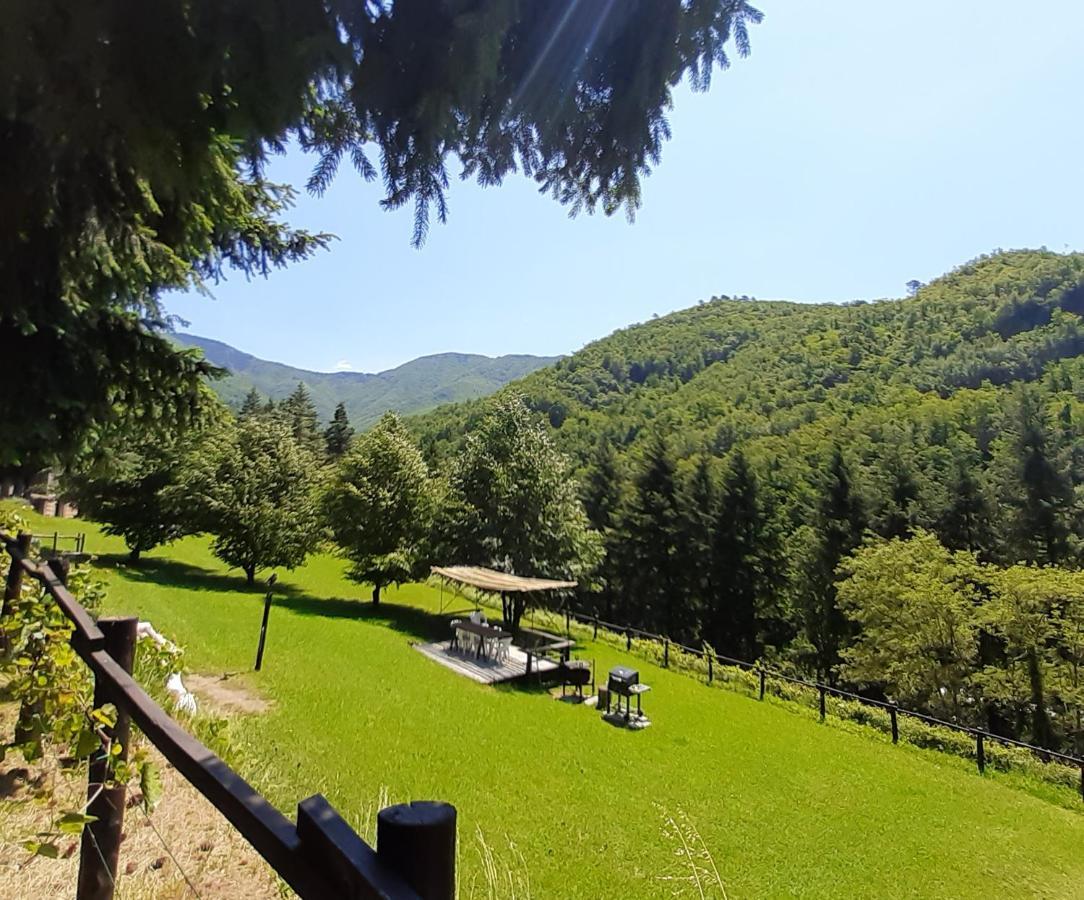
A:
{"points": [[134, 137]]}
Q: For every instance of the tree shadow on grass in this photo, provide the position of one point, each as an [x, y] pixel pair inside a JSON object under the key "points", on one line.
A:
{"points": [[170, 573]]}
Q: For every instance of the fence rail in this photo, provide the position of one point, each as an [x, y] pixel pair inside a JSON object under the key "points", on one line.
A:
{"points": [[320, 856], [764, 673], [78, 541]]}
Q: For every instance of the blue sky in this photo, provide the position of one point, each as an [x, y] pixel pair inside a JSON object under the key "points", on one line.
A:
{"points": [[862, 144]]}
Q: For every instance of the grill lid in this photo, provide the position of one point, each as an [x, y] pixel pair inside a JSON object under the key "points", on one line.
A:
{"points": [[624, 675]]}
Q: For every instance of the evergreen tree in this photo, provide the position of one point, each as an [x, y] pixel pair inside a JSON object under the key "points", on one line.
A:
{"points": [[964, 523], [602, 501], [167, 188], [299, 414], [252, 405], [837, 530], [900, 504], [697, 501], [338, 434], [737, 549], [652, 548], [1034, 486]]}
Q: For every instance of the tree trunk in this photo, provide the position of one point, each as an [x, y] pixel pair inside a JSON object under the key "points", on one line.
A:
{"points": [[250, 574], [1040, 722], [518, 607], [133, 554], [376, 595]]}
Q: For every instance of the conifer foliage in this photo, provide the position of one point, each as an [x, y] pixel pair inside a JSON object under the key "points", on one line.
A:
{"points": [[338, 434], [135, 137]]}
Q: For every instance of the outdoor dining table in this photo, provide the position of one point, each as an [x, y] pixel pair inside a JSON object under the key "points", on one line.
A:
{"points": [[484, 633]]}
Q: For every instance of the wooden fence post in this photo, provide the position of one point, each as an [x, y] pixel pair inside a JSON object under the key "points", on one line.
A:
{"points": [[100, 847], [666, 653], [628, 640], [263, 628], [56, 537], [711, 669], [568, 624], [820, 687], [14, 585], [980, 752], [761, 684], [895, 724], [417, 842]]}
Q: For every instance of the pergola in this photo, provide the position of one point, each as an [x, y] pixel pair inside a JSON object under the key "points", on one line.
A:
{"points": [[494, 582]]}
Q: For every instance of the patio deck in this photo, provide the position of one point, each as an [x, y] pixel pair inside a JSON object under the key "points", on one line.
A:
{"points": [[484, 671]]}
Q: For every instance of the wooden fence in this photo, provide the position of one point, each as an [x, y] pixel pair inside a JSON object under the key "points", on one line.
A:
{"points": [[56, 540], [319, 857], [766, 675]]}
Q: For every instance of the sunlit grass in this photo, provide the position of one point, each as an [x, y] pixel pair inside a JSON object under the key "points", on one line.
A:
{"points": [[783, 805]]}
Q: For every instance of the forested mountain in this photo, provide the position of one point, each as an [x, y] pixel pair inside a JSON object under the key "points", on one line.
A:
{"points": [[734, 453], [415, 386]]}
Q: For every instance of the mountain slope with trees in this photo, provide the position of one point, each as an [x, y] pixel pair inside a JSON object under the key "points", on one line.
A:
{"points": [[736, 456], [413, 387]]}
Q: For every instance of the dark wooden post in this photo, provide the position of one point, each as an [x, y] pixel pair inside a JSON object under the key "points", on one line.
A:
{"points": [[666, 653], [595, 636], [628, 639], [980, 752], [820, 687], [711, 669], [895, 724], [101, 839], [14, 585], [417, 842], [56, 536], [761, 684], [1082, 782], [263, 625], [568, 624]]}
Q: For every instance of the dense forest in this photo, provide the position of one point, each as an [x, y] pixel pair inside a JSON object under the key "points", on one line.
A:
{"points": [[741, 458]]}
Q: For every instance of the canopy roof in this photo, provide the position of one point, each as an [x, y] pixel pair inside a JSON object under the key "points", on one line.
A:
{"points": [[498, 582]]}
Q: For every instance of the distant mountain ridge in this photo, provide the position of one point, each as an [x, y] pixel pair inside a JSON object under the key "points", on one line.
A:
{"points": [[413, 387]]}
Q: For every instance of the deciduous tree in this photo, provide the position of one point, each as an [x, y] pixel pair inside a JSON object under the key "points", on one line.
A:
{"points": [[251, 487], [513, 504], [917, 607], [379, 506]]}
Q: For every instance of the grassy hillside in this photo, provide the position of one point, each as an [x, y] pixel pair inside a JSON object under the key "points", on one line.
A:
{"points": [[786, 806], [415, 386]]}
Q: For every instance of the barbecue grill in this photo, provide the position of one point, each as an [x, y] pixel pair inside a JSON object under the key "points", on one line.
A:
{"points": [[625, 682], [622, 678]]}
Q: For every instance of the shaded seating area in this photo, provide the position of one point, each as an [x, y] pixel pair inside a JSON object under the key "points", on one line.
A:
{"points": [[481, 639], [486, 651]]}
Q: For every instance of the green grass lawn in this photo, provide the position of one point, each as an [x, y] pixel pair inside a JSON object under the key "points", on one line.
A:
{"points": [[785, 805]]}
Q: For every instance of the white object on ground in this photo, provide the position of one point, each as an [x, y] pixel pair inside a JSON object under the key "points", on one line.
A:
{"points": [[183, 699]]}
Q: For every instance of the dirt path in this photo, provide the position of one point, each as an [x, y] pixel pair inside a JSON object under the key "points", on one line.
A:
{"points": [[223, 695]]}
